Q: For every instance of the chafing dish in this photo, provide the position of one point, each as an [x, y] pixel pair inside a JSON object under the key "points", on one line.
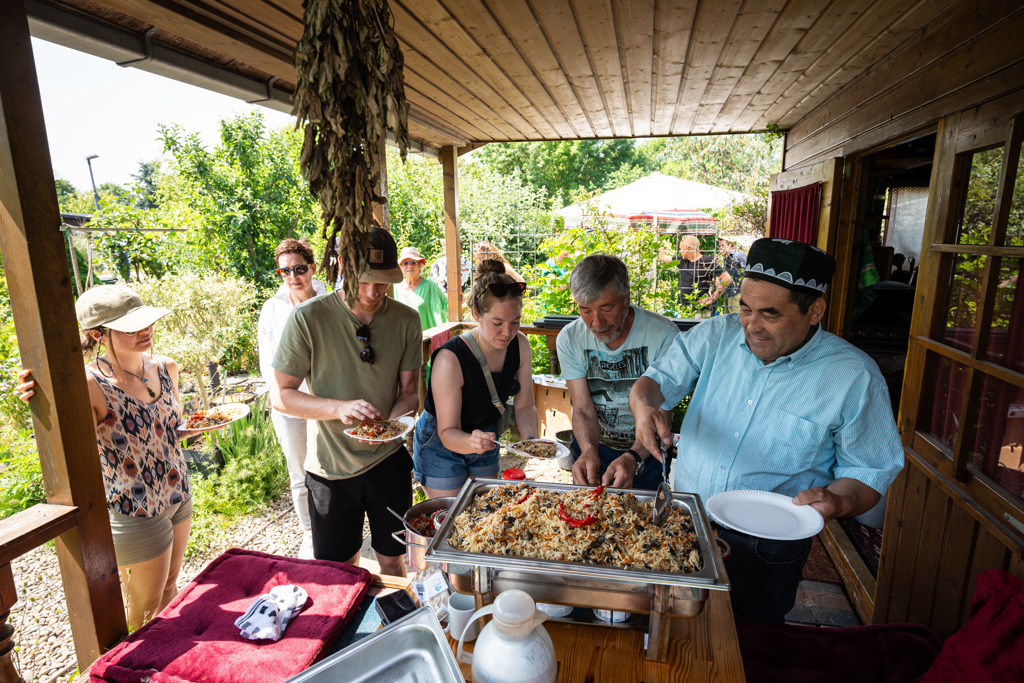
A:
{"points": [[656, 593], [414, 648]]}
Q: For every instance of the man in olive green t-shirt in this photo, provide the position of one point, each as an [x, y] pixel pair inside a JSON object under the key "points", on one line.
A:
{"points": [[359, 363]]}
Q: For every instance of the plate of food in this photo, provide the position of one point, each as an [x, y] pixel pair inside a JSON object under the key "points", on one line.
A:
{"points": [[382, 431], [213, 418], [542, 449]]}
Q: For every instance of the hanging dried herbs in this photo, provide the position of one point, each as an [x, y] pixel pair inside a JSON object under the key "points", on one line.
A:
{"points": [[350, 93]]}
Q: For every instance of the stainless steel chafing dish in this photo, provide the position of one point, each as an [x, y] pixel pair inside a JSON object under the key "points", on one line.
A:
{"points": [[656, 593]]}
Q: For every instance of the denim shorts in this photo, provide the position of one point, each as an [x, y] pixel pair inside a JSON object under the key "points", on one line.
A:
{"points": [[437, 467]]}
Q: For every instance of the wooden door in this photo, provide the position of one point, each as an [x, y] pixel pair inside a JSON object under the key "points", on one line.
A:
{"points": [[958, 507]]}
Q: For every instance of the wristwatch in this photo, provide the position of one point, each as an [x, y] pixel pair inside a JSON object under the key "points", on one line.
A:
{"points": [[640, 462]]}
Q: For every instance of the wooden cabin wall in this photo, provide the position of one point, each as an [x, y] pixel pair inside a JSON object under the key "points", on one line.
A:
{"points": [[969, 56], [936, 543]]}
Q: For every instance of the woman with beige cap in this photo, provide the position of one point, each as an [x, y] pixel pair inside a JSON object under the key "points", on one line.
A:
{"points": [[419, 293], [135, 405]]}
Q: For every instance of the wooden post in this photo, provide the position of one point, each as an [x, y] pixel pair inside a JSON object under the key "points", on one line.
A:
{"points": [[41, 300], [452, 243]]}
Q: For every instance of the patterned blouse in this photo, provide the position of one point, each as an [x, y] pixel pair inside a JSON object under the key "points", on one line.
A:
{"points": [[143, 468]]}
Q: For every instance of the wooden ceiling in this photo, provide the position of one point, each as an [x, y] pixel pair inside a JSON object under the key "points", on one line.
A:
{"points": [[480, 71]]}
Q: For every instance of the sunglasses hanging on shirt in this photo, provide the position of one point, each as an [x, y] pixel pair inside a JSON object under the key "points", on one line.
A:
{"points": [[363, 336]]}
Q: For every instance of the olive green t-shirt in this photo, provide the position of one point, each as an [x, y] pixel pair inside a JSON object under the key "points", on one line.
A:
{"points": [[319, 345]]}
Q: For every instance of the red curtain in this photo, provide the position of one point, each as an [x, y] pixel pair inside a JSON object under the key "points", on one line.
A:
{"points": [[794, 214]]}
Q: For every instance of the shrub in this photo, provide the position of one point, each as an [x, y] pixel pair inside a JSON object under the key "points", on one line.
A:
{"points": [[254, 474], [208, 313], [21, 479]]}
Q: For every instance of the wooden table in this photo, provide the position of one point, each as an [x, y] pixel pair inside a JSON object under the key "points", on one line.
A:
{"points": [[702, 648]]}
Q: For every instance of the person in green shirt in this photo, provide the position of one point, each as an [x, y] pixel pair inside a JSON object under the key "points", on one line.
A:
{"points": [[419, 293], [359, 363]]}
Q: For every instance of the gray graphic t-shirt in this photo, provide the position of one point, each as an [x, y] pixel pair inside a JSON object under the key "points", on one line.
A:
{"points": [[610, 374]]}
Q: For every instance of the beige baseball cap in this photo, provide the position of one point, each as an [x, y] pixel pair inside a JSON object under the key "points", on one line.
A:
{"points": [[116, 307]]}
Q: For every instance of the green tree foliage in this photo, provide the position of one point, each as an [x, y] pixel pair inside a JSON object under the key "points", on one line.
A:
{"points": [[492, 206], [563, 167], [735, 162], [146, 185], [133, 247], [208, 314], [416, 203], [245, 195], [65, 194]]}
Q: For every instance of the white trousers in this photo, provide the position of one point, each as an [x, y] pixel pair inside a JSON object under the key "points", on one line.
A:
{"points": [[291, 434]]}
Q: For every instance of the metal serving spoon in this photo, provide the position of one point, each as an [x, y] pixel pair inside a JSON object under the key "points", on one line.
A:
{"points": [[663, 498]]}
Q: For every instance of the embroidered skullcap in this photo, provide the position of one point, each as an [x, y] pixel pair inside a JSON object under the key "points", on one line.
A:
{"points": [[794, 265]]}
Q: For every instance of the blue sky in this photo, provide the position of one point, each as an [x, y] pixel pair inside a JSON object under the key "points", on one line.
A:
{"points": [[93, 106]]}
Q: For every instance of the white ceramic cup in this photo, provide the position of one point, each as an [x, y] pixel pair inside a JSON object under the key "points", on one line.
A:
{"points": [[460, 609]]}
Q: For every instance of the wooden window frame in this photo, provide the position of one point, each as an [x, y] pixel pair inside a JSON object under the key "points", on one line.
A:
{"points": [[960, 137]]}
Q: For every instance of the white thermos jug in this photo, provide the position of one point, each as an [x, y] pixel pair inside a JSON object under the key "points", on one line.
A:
{"points": [[514, 647]]}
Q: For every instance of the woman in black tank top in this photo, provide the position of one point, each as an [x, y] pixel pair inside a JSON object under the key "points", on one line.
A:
{"points": [[455, 435]]}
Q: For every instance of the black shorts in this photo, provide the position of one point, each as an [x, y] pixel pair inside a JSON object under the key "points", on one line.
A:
{"points": [[337, 506]]}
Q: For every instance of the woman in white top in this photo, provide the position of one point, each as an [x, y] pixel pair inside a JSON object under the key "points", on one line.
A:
{"points": [[295, 265]]}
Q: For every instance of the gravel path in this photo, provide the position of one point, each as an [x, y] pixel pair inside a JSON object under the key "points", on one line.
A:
{"points": [[45, 651]]}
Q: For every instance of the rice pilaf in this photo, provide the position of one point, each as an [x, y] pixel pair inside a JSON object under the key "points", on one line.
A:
{"points": [[583, 525]]}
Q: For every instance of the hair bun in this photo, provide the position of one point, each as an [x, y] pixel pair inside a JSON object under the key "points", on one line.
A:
{"points": [[490, 266]]}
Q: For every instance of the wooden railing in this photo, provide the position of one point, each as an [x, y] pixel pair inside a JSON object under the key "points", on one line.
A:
{"points": [[19, 534]]}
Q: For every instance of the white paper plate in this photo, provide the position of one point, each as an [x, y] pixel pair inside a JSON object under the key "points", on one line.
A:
{"points": [[765, 515], [560, 450], [240, 408], [408, 421]]}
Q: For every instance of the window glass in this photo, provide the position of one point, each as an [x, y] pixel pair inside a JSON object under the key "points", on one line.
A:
{"points": [[1006, 342], [976, 225], [964, 297], [947, 399], [998, 448], [1015, 224]]}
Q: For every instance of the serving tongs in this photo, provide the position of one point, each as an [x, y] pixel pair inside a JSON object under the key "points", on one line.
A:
{"points": [[663, 498]]}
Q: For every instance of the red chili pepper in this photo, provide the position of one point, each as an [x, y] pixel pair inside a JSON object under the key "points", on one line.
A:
{"points": [[597, 492], [524, 497], [572, 521]]}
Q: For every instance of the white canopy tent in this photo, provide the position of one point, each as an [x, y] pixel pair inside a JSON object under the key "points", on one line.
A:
{"points": [[654, 195]]}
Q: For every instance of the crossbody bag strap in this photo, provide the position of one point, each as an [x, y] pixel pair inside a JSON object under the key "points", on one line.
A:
{"points": [[475, 348]]}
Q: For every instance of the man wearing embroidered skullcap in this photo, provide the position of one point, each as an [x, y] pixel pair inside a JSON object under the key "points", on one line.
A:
{"points": [[780, 406], [359, 362]]}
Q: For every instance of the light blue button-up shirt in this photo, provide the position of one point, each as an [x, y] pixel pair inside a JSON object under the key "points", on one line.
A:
{"points": [[809, 418]]}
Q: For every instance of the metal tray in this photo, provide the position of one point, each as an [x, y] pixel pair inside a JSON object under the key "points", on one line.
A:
{"points": [[577, 583], [413, 649]]}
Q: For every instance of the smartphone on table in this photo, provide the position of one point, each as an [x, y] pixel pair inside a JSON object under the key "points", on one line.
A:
{"points": [[394, 606]]}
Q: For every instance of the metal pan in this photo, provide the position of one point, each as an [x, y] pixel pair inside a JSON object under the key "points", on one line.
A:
{"points": [[575, 583]]}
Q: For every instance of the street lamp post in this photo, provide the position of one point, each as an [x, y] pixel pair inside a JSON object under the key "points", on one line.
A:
{"points": [[88, 235], [95, 194]]}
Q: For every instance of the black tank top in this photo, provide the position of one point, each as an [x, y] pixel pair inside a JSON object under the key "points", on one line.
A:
{"points": [[477, 410]]}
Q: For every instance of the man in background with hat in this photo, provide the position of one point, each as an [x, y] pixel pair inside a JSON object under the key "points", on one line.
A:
{"points": [[777, 405], [419, 293], [360, 362]]}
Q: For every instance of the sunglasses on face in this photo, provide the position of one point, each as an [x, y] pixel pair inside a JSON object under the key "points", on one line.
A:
{"points": [[298, 270], [363, 336]]}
